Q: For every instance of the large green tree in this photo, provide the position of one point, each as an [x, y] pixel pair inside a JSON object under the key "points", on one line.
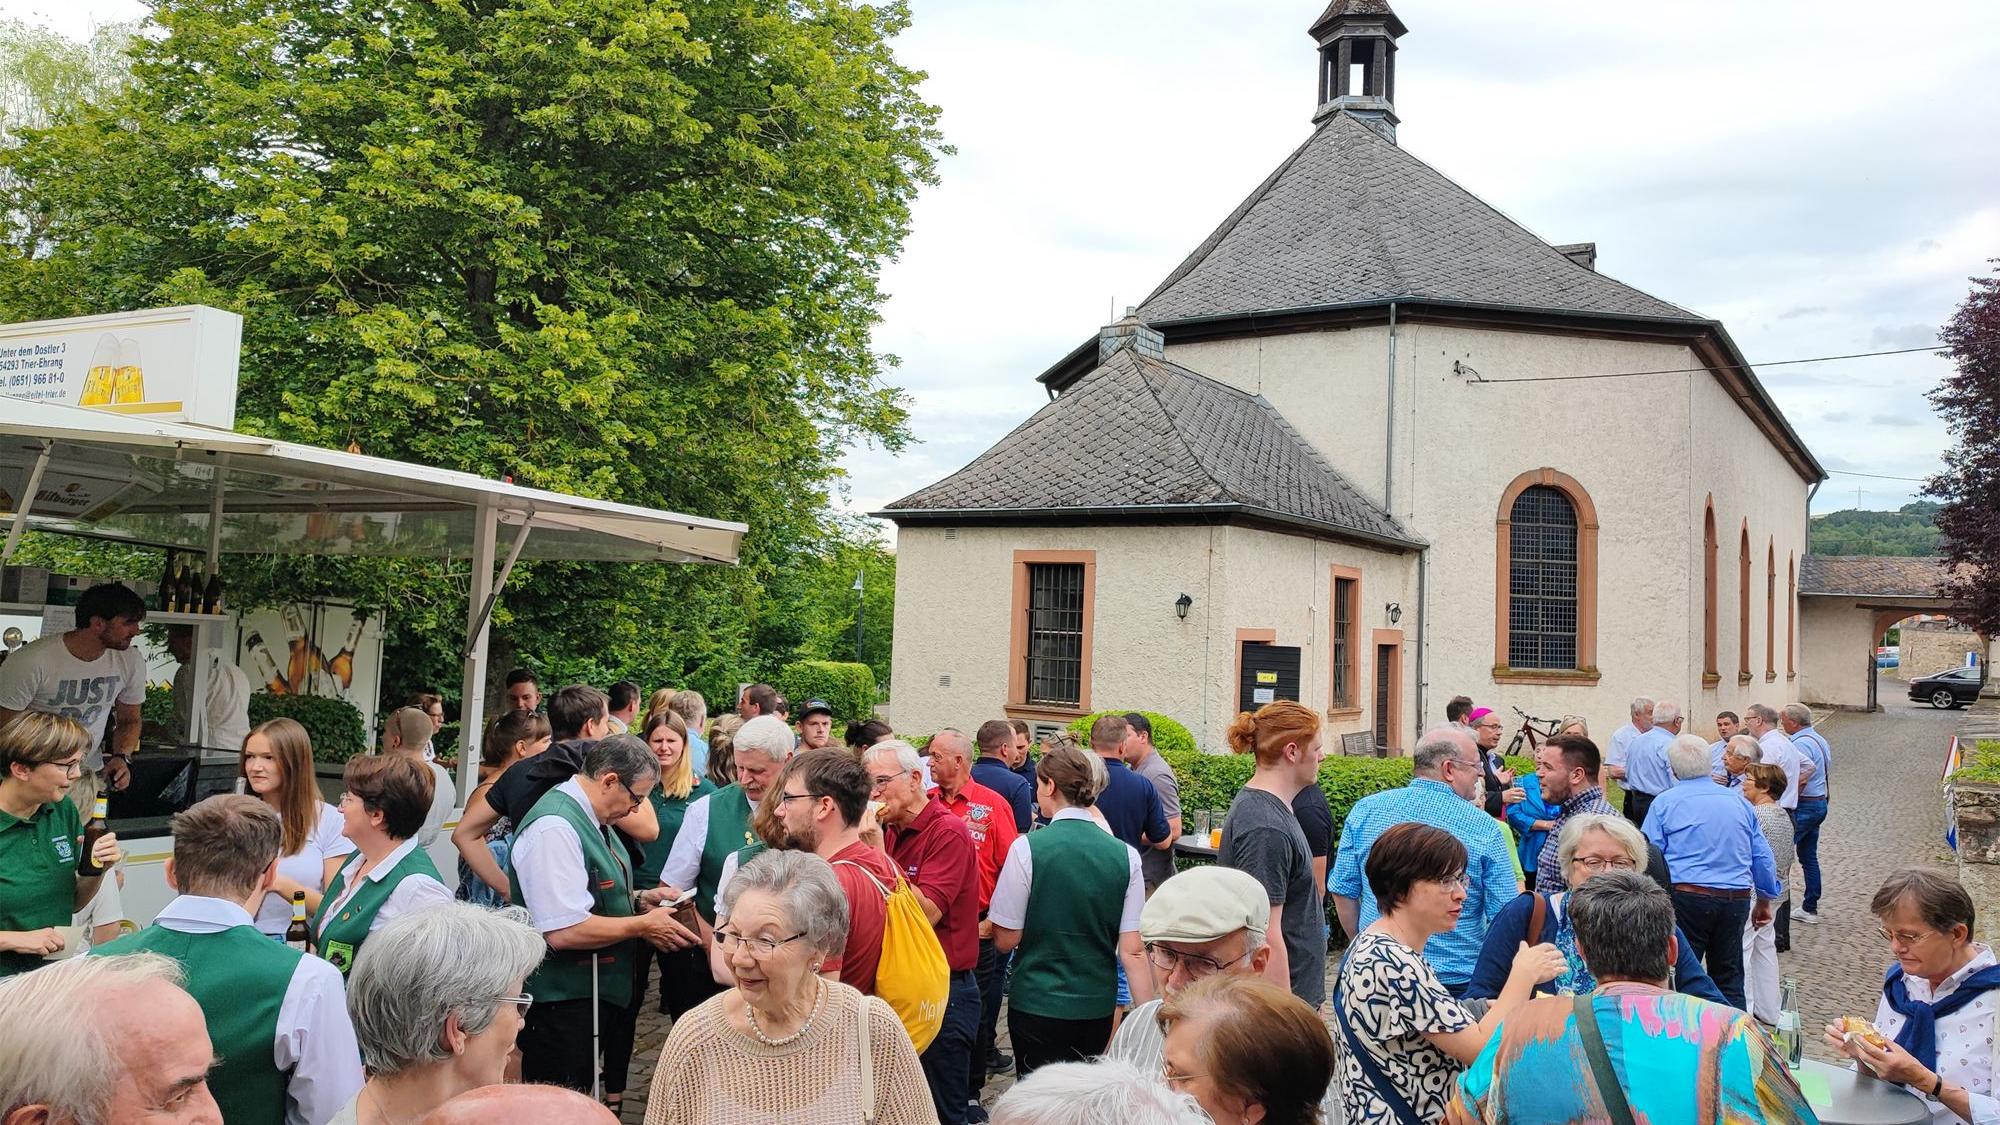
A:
{"points": [[1969, 401], [624, 248]]}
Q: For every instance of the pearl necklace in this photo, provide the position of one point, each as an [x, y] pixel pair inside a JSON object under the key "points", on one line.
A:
{"points": [[819, 1002]]}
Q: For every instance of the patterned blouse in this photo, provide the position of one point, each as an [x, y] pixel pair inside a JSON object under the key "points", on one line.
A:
{"points": [[1392, 999]]}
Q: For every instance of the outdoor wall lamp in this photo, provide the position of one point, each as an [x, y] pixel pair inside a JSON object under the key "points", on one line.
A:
{"points": [[1395, 612], [1182, 605]]}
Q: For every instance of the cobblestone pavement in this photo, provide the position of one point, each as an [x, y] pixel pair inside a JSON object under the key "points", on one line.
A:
{"points": [[1886, 813]]}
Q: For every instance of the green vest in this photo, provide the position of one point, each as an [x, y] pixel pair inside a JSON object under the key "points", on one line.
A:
{"points": [[728, 832], [239, 977], [1066, 966], [671, 811], [565, 973], [339, 937], [37, 875]]}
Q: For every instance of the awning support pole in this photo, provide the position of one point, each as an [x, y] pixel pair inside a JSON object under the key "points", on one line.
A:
{"points": [[472, 709], [485, 613], [215, 519], [27, 503]]}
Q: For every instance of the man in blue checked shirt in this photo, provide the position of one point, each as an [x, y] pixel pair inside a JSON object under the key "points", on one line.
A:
{"points": [[1647, 774], [1448, 770], [1722, 868], [1796, 721]]}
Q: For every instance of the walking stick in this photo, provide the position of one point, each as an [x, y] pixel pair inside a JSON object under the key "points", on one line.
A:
{"points": [[596, 1039]]}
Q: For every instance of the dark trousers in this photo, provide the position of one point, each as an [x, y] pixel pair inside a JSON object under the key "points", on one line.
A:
{"points": [[1636, 805], [992, 976], [556, 1046], [685, 979], [947, 1059], [1714, 927], [1040, 1040], [1806, 820], [1782, 921]]}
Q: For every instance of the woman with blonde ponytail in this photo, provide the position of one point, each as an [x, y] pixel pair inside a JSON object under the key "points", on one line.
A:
{"points": [[1068, 901], [1262, 837]]}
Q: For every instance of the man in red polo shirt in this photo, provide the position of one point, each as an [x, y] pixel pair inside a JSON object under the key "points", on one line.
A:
{"points": [[986, 813], [937, 856], [823, 796]]}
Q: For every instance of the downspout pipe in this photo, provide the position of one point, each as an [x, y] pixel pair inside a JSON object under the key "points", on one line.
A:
{"points": [[1389, 424], [1423, 631], [1810, 493]]}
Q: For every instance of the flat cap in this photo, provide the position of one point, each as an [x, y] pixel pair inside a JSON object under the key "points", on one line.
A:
{"points": [[1205, 903]]}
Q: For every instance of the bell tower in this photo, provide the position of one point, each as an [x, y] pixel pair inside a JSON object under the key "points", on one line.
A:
{"points": [[1357, 62]]}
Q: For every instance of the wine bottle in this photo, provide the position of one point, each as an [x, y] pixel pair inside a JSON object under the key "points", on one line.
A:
{"points": [[165, 596], [190, 592], [211, 598]]}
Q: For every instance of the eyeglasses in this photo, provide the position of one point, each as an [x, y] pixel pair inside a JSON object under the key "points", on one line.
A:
{"points": [[799, 797], [1593, 864], [636, 799], [526, 1000], [879, 780], [1194, 964], [759, 947], [1458, 882], [1174, 1078], [73, 767], [1904, 938]]}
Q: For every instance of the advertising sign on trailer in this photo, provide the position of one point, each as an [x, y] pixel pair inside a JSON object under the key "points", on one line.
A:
{"points": [[176, 364]]}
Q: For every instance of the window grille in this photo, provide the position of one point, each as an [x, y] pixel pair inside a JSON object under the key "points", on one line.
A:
{"points": [[1055, 633], [1541, 612], [1343, 642]]}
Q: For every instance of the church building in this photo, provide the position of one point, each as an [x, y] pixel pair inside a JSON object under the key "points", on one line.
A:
{"points": [[1370, 446]]}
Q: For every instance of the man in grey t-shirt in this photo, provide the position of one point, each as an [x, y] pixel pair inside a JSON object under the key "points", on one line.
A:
{"points": [[1156, 863], [1262, 838], [91, 674]]}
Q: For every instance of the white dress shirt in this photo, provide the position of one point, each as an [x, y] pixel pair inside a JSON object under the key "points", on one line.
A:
{"points": [[226, 717], [1968, 1041], [315, 1040], [1009, 908], [683, 864], [1621, 740], [1780, 752], [414, 893], [548, 861], [306, 867]]}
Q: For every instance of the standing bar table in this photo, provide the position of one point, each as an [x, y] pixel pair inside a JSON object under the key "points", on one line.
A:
{"points": [[1843, 1096]]}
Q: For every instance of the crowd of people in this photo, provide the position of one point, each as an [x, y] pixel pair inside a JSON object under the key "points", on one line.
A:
{"points": [[837, 927]]}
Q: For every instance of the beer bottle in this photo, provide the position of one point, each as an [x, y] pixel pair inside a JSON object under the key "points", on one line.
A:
{"points": [[297, 935], [86, 866]]}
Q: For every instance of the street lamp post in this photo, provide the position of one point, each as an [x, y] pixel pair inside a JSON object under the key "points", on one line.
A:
{"points": [[860, 608]]}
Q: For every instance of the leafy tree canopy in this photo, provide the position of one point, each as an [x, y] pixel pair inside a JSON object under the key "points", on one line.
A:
{"points": [[623, 248], [1908, 530]]}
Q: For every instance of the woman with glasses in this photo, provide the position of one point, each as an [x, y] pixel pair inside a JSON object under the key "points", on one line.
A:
{"points": [[1247, 1050], [1590, 845], [383, 808], [437, 1001], [1407, 1037], [1940, 1005], [786, 1044], [41, 756]]}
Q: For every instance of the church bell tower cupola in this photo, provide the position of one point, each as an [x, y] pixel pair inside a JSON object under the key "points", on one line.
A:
{"points": [[1357, 62]]}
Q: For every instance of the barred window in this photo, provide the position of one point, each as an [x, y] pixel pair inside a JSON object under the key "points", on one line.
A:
{"points": [[1343, 642], [1055, 633], [1542, 593]]}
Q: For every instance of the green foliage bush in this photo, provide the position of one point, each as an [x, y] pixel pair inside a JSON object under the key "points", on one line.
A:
{"points": [[1211, 781], [334, 724], [1981, 763], [159, 705], [1168, 733], [847, 688]]}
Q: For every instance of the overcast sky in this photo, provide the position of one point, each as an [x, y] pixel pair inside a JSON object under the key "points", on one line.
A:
{"points": [[1817, 176]]}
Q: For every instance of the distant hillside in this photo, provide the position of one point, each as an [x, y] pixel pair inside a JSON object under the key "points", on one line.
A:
{"points": [[1905, 531]]}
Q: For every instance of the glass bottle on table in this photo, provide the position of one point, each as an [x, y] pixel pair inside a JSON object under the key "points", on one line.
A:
{"points": [[1788, 1036]]}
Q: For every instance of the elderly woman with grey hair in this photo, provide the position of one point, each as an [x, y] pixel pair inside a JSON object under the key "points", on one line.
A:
{"points": [[786, 1043], [437, 1000], [1591, 844], [1079, 1093]]}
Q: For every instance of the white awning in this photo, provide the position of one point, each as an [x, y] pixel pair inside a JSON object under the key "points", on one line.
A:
{"points": [[136, 480]]}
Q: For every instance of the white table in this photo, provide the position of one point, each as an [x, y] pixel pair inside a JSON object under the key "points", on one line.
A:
{"points": [[1858, 1099]]}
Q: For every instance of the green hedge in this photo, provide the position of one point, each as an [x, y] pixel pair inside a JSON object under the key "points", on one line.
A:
{"points": [[847, 688], [1211, 781], [334, 725], [1168, 733]]}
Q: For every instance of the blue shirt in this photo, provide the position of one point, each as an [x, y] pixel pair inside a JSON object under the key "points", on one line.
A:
{"points": [[1646, 768], [1131, 806], [1019, 795], [1710, 838], [1715, 767], [1813, 745], [698, 755], [1489, 865]]}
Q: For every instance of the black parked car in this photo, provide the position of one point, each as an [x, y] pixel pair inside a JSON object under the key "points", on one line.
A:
{"points": [[1955, 688]]}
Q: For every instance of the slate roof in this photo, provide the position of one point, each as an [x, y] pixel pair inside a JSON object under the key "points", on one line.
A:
{"points": [[1872, 575], [1351, 218], [1140, 437], [1362, 8]]}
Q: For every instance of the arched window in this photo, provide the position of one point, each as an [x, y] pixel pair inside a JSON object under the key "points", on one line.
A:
{"points": [[1743, 607], [1791, 615], [1771, 610], [1545, 582], [1710, 673]]}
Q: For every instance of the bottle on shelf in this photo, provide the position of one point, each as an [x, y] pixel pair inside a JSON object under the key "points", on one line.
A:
{"points": [[211, 597], [341, 667], [190, 591], [165, 597], [264, 666], [92, 832], [297, 935]]}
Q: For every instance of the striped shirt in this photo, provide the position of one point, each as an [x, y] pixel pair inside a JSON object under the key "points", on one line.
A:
{"points": [[1549, 876]]}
